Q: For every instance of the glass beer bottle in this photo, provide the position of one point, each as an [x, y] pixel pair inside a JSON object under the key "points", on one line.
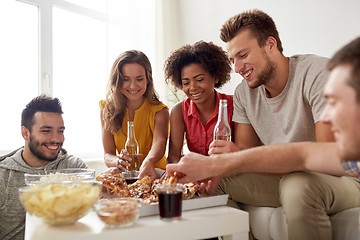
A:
{"points": [[132, 147], [222, 130]]}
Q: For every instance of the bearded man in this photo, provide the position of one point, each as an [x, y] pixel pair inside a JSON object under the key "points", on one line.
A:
{"points": [[42, 127]]}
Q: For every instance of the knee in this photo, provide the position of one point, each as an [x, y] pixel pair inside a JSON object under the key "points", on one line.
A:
{"points": [[300, 188]]}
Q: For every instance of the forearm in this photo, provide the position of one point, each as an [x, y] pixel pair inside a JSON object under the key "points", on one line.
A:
{"points": [[281, 158], [111, 160], [257, 160], [173, 158], [174, 153], [156, 152]]}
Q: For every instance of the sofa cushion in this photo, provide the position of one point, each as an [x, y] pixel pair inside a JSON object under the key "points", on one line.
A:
{"points": [[267, 223], [346, 224]]}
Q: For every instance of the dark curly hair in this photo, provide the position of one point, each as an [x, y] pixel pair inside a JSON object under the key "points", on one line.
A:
{"points": [[211, 57]]}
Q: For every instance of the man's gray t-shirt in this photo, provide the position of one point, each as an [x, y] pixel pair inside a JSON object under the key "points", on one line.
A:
{"points": [[290, 116]]}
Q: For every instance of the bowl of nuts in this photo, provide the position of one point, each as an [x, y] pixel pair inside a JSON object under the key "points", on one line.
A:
{"points": [[118, 212]]}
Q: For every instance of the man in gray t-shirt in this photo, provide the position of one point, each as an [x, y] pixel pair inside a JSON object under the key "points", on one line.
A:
{"points": [[290, 116], [42, 127], [279, 101]]}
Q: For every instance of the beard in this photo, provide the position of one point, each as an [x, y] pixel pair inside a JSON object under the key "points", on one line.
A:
{"points": [[266, 74], [34, 149]]}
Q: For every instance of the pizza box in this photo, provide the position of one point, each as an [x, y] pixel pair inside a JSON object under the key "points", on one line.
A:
{"points": [[189, 204]]}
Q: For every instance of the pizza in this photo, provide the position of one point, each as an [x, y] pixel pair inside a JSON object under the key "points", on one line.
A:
{"points": [[114, 183], [142, 188], [189, 190]]}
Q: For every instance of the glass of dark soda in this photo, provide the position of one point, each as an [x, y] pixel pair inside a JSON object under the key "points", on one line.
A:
{"points": [[170, 200], [130, 176]]}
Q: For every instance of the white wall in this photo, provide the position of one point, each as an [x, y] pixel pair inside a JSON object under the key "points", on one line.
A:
{"points": [[305, 26]]}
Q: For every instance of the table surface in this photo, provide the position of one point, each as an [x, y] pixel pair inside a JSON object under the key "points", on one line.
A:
{"points": [[194, 224]]}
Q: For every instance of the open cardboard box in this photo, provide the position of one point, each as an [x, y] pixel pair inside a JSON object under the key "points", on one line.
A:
{"points": [[189, 204]]}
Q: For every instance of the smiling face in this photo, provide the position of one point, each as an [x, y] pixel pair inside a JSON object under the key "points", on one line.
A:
{"points": [[250, 60], [135, 82], [197, 84], [46, 136], [342, 112]]}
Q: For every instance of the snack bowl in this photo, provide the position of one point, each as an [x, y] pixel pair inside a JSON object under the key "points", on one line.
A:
{"points": [[118, 212], [62, 202], [59, 175]]}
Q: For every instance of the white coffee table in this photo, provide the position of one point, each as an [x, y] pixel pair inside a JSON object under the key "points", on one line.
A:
{"points": [[195, 224]]}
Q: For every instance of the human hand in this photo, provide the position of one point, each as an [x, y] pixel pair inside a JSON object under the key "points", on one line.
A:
{"points": [[109, 171], [124, 160], [209, 185], [191, 167], [147, 169], [222, 146]]}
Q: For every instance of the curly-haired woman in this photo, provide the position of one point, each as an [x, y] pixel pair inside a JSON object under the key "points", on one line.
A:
{"points": [[197, 70]]}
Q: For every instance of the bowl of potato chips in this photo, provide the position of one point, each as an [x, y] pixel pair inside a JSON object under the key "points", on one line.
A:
{"points": [[57, 201]]}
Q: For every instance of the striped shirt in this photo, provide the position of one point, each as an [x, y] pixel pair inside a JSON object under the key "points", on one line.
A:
{"points": [[352, 168]]}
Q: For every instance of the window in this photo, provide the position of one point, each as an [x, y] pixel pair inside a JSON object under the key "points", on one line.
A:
{"points": [[66, 49], [79, 70], [19, 67]]}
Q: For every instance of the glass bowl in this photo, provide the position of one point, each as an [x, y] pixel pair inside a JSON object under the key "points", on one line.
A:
{"points": [[62, 202], [118, 212], [60, 175]]}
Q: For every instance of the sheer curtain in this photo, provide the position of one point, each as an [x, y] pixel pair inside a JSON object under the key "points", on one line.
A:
{"points": [[168, 39]]}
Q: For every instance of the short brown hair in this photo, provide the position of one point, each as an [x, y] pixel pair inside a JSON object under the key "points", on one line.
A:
{"points": [[260, 24], [349, 55], [210, 56]]}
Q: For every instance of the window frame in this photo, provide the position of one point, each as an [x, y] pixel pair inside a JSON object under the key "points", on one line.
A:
{"points": [[46, 48], [45, 8]]}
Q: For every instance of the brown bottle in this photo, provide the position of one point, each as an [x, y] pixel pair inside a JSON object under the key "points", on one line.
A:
{"points": [[132, 147]]}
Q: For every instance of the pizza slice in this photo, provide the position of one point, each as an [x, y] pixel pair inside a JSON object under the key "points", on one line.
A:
{"points": [[140, 187], [189, 190]]}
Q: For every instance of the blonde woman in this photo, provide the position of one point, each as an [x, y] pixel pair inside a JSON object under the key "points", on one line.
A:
{"points": [[131, 97]]}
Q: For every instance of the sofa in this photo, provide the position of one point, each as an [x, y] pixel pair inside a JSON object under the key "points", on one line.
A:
{"points": [[268, 223]]}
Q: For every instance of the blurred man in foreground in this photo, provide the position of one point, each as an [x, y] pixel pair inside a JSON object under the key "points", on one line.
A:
{"points": [[42, 127]]}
